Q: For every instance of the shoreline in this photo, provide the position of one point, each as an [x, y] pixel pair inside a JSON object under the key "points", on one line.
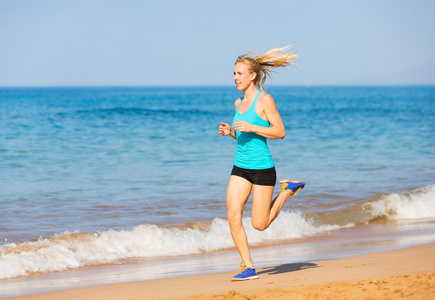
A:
{"points": [[396, 267]]}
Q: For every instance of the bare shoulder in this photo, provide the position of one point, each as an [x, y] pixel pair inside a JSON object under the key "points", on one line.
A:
{"points": [[266, 100]]}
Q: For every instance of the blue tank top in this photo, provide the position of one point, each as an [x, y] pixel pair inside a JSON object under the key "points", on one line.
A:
{"points": [[252, 151]]}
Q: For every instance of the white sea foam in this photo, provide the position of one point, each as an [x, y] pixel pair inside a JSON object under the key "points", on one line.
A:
{"points": [[72, 250], [413, 205]]}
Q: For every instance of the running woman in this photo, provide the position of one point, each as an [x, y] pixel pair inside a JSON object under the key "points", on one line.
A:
{"points": [[256, 120]]}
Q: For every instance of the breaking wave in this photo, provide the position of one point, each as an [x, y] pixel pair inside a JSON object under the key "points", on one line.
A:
{"points": [[79, 249], [413, 205]]}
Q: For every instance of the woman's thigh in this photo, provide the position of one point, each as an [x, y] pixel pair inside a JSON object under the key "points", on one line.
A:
{"points": [[261, 203], [238, 192]]}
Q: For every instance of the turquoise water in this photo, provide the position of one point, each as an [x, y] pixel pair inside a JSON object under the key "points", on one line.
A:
{"points": [[129, 163]]}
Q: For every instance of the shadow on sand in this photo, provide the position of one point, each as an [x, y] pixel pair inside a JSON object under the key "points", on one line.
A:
{"points": [[287, 268]]}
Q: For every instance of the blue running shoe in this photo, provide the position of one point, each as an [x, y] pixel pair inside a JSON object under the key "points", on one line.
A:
{"points": [[293, 185], [245, 273]]}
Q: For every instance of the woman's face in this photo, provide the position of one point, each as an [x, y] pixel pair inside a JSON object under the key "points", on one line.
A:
{"points": [[243, 77]]}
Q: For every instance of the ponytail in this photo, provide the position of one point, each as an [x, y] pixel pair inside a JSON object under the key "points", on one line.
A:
{"points": [[261, 64]]}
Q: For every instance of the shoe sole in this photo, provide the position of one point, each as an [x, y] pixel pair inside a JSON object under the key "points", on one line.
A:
{"points": [[243, 279]]}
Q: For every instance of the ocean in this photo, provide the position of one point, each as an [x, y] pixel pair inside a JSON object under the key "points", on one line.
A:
{"points": [[95, 176]]}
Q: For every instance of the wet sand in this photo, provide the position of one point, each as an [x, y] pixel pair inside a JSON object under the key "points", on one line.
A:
{"points": [[405, 273]]}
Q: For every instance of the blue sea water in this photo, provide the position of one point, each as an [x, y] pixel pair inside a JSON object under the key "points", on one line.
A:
{"points": [[113, 160]]}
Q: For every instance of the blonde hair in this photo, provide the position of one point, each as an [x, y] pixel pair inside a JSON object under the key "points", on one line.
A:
{"points": [[261, 64]]}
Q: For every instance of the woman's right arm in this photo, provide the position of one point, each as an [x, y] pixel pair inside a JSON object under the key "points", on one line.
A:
{"points": [[225, 129]]}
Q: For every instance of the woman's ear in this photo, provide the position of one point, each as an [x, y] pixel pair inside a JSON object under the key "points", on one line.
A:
{"points": [[253, 76]]}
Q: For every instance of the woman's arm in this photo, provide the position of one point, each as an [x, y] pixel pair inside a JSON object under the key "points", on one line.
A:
{"points": [[271, 114], [225, 129]]}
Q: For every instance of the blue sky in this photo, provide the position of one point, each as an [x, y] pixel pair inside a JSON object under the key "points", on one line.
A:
{"points": [[187, 42]]}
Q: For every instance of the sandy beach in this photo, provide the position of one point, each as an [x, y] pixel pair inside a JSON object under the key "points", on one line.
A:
{"points": [[405, 273]]}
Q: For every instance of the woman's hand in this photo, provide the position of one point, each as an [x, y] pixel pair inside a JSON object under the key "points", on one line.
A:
{"points": [[243, 126], [224, 129]]}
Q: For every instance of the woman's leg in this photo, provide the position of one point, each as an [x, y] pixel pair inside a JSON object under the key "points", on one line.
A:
{"points": [[264, 210], [238, 192]]}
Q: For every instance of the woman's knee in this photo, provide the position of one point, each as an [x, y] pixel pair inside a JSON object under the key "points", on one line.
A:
{"points": [[234, 217], [259, 224]]}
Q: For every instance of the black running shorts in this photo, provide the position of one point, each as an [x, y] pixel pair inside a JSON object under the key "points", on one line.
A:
{"points": [[258, 177]]}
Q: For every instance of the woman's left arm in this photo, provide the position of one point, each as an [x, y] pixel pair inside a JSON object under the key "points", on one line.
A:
{"points": [[276, 129]]}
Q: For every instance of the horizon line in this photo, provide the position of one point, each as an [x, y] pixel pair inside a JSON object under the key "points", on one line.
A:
{"points": [[214, 86]]}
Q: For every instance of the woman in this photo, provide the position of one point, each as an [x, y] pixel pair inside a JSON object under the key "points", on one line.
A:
{"points": [[256, 119]]}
